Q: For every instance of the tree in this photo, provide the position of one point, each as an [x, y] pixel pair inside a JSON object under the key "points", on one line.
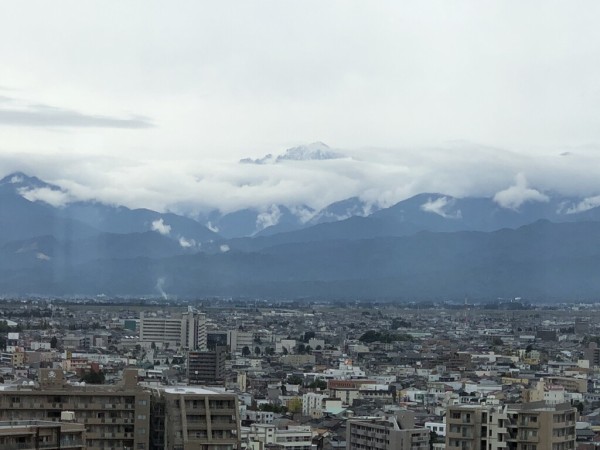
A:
{"points": [[433, 439], [383, 336], [295, 405], [294, 379], [301, 349], [94, 377], [308, 335], [257, 350], [497, 341], [53, 342], [285, 350], [308, 349], [273, 408], [270, 351], [529, 348], [246, 351], [319, 383]]}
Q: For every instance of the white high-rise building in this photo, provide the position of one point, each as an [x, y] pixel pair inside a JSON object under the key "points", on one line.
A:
{"points": [[187, 330]]}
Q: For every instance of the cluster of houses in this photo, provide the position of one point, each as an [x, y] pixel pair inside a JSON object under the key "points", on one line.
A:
{"points": [[338, 376]]}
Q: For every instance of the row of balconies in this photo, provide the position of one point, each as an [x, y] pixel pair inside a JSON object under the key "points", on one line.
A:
{"points": [[104, 435], [46, 405], [108, 421]]}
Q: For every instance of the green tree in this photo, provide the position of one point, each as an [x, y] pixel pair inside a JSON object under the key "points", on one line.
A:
{"points": [[295, 379], [246, 351], [319, 383], [273, 408], [383, 336], [295, 405], [308, 335], [94, 377], [257, 351], [53, 342]]}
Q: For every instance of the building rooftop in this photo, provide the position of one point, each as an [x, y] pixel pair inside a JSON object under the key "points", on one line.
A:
{"points": [[191, 390]]}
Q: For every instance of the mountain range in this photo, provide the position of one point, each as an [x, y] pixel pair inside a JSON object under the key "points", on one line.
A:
{"points": [[430, 246]]}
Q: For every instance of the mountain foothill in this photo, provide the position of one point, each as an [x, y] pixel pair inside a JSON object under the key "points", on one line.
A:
{"points": [[428, 247]]}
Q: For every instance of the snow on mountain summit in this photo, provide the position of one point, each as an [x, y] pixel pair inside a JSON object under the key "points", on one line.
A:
{"points": [[317, 151], [314, 151]]}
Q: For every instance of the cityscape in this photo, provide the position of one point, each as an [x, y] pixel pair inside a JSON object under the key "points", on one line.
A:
{"points": [[298, 375], [299, 225]]}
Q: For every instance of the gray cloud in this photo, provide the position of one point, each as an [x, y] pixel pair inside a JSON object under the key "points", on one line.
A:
{"points": [[14, 113]]}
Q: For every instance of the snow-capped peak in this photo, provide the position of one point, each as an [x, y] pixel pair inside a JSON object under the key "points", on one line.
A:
{"points": [[314, 151], [317, 151]]}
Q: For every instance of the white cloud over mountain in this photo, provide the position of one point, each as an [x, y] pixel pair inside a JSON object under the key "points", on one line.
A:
{"points": [[378, 176], [514, 196], [440, 206], [161, 227]]}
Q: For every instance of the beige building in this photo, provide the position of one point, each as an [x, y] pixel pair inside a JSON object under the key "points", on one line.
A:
{"points": [[37, 434], [298, 360], [193, 418], [115, 416], [527, 426], [290, 437], [386, 433]]}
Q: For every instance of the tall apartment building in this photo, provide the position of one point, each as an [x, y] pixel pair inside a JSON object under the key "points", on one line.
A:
{"points": [[187, 330], [526, 426], [115, 416], [206, 367], [386, 433], [193, 418]]}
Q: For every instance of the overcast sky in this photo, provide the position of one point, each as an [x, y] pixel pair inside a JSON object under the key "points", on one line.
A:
{"points": [[153, 103]]}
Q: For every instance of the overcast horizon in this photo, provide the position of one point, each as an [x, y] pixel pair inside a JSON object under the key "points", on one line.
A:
{"points": [[148, 105]]}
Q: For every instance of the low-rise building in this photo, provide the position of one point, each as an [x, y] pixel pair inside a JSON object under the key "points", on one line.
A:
{"points": [[291, 437]]}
